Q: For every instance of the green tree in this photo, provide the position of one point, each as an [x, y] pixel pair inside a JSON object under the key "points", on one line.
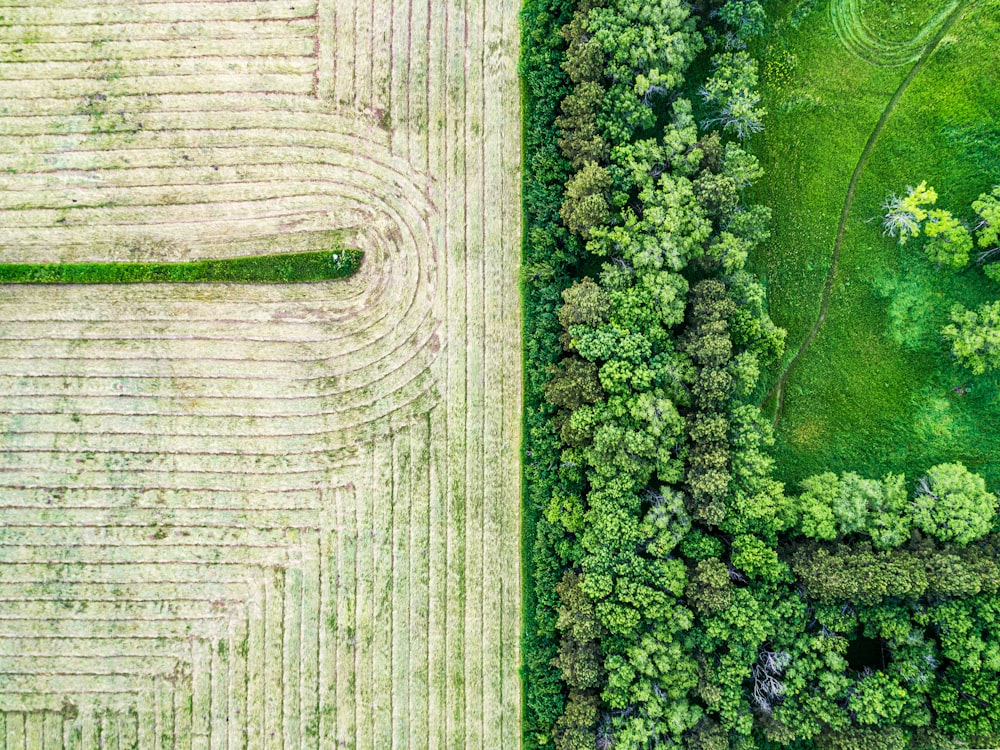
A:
{"points": [[584, 303], [889, 521], [864, 738], [740, 165], [815, 506], [586, 203], [974, 336], [953, 504], [666, 522], [744, 19], [669, 229], [757, 559], [710, 589], [751, 325], [648, 44], [831, 507], [949, 243], [732, 72], [576, 729], [731, 91], [584, 57], [581, 142], [574, 382], [987, 207], [904, 214], [717, 193], [855, 573]]}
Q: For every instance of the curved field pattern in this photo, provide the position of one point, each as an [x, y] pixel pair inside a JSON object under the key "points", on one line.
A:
{"points": [[872, 44], [261, 516]]}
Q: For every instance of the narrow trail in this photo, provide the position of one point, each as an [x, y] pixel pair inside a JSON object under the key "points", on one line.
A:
{"points": [[778, 389]]}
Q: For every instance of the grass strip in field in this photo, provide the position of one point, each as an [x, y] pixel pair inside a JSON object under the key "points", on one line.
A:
{"points": [[287, 268]]}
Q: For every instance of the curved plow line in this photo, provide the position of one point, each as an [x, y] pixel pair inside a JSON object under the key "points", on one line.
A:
{"points": [[778, 389], [866, 44]]}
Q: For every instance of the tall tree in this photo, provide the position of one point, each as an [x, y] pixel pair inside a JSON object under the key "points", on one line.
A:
{"points": [[974, 336], [953, 504], [948, 242]]}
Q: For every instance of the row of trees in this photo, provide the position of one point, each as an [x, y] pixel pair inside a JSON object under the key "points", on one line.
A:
{"points": [[950, 503], [680, 598]]}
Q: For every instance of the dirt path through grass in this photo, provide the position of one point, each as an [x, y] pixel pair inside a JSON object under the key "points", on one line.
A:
{"points": [[777, 391]]}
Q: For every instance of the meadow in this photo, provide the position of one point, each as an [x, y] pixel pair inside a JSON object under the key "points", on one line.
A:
{"points": [[259, 515], [865, 98]]}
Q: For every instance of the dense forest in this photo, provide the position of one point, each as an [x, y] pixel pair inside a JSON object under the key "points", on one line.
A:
{"points": [[679, 596]]}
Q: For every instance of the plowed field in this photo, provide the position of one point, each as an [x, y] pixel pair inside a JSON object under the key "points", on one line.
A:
{"points": [[267, 516]]}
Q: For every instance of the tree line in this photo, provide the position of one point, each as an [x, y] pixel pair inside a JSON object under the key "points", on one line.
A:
{"points": [[680, 598]]}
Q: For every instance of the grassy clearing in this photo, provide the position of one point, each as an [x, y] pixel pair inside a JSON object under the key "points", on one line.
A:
{"points": [[293, 508], [876, 391], [289, 268]]}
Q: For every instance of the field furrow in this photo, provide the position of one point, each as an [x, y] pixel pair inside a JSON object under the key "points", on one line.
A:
{"points": [[268, 516]]}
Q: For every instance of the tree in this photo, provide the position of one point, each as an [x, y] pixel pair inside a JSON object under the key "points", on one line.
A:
{"points": [[579, 626], [584, 56], [987, 207], [855, 573], [889, 520], [750, 323], [648, 45], [864, 738], [768, 688], [757, 559], [744, 19], [653, 41], [580, 142], [974, 336], [666, 231], [584, 303], [732, 91], [586, 203], [666, 521], [949, 243], [741, 115], [576, 728], [952, 504], [830, 507], [574, 383], [821, 493], [710, 588], [731, 72], [579, 661], [717, 193], [903, 215], [741, 166]]}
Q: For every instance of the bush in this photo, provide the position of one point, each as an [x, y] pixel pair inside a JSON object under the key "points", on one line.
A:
{"points": [[288, 268]]}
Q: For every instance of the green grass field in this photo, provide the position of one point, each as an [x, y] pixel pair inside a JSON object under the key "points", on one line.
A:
{"points": [[876, 390]]}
